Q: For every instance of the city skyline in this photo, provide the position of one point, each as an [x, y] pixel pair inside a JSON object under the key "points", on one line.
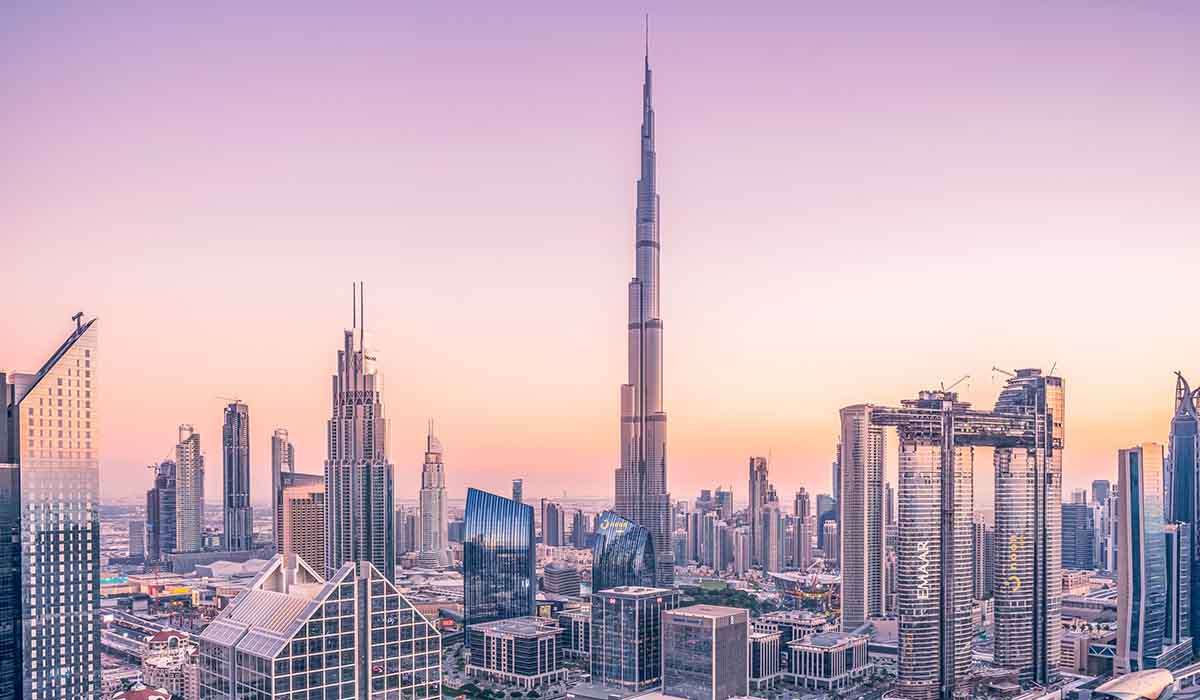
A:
{"points": [[804, 225]]}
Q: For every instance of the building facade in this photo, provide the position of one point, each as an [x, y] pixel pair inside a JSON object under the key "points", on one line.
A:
{"points": [[435, 546], [50, 554], [239, 516], [292, 633], [641, 479], [499, 559], [189, 485], [358, 475], [627, 639], [705, 652], [861, 523]]}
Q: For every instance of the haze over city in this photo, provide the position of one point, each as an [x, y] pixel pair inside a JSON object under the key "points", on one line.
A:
{"points": [[857, 203]]}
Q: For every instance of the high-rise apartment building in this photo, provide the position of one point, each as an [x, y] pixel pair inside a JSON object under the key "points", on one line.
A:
{"points": [[757, 488], [239, 517], [294, 633], [434, 543], [1183, 483], [622, 554], [861, 523], [641, 478], [705, 652], [50, 551], [499, 559], [1078, 537], [283, 461], [161, 513], [1142, 641], [302, 519], [189, 492], [627, 638], [358, 475]]}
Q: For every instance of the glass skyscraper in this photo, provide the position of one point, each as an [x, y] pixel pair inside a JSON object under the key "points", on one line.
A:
{"points": [[499, 558], [50, 543], [1183, 486], [622, 554], [239, 519]]}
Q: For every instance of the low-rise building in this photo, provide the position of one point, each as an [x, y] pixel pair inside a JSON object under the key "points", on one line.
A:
{"points": [[521, 651], [829, 660]]}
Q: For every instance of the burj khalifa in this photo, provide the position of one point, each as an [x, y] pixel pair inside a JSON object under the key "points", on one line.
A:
{"points": [[641, 480]]}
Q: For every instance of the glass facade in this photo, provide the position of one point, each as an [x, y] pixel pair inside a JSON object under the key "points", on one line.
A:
{"points": [[50, 566], [499, 558], [622, 554]]}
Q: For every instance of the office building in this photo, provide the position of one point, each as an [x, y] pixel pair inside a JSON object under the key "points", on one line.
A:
{"points": [[757, 489], [283, 461], [521, 651], [705, 652], [518, 490], [161, 515], [627, 637], [829, 661], [561, 579], [435, 543], [861, 519], [1142, 641], [50, 554], [293, 633], [189, 492], [1078, 537], [1183, 483], [1178, 567], [137, 538], [302, 516], [622, 554], [239, 517], [499, 581], [641, 480], [358, 474]]}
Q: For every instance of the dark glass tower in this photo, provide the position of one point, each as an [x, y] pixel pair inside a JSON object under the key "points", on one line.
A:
{"points": [[499, 557], [622, 554], [1183, 488], [239, 519]]}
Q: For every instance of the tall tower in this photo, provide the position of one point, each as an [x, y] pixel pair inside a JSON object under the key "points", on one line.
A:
{"points": [[433, 503], [1028, 507], [641, 480], [1183, 486], [283, 461], [50, 543], [358, 475], [861, 525], [239, 518], [189, 491]]}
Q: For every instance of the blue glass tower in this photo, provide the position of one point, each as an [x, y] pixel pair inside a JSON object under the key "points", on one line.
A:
{"points": [[1183, 464], [498, 559], [622, 554]]}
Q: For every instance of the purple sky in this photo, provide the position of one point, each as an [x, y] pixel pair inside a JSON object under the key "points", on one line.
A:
{"points": [[856, 202]]}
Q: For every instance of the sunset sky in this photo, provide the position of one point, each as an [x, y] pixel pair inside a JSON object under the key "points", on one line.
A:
{"points": [[859, 200]]}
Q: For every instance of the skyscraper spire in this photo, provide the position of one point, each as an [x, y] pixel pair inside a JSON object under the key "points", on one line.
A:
{"points": [[641, 480]]}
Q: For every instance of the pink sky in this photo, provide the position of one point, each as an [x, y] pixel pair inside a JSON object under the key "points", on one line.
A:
{"points": [[856, 203]]}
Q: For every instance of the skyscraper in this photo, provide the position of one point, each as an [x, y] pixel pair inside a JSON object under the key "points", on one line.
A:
{"points": [[358, 475], [861, 523], [499, 559], [239, 517], [434, 544], [1183, 483], [757, 488], [641, 479], [189, 485], [1141, 568], [50, 548], [162, 503], [622, 554], [283, 461]]}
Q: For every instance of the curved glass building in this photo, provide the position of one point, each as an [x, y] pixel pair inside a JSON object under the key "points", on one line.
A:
{"points": [[498, 559], [622, 554]]}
